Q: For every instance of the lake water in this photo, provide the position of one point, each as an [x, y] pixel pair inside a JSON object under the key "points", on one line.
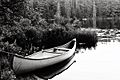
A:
{"points": [[101, 63]]}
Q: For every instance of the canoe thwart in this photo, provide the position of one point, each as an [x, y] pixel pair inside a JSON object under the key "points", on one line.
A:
{"points": [[55, 49], [61, 49]]}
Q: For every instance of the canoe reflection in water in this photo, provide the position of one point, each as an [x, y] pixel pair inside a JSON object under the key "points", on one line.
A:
{"points": [[54, 70]]}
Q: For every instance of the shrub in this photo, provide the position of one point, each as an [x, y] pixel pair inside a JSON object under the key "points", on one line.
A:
{"points": [[87, 37]]}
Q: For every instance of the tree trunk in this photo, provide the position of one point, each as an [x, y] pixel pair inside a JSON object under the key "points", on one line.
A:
{"points": [[58, 9], [94, 14]]}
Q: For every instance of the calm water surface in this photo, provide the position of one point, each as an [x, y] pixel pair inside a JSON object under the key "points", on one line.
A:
{"points": [[102, 63]]}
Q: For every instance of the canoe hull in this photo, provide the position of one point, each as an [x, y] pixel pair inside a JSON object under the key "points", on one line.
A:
{"points": [[23, 65]]}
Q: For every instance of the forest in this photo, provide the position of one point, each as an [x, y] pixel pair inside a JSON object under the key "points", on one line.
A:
{"points": [[40, 12]]}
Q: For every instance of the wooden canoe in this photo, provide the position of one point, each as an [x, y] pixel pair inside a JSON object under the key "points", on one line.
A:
{"points": [[44, 58]]}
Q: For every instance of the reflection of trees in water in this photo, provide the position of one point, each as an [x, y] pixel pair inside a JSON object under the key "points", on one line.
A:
{"points": [[86, 45], [103, 23]]}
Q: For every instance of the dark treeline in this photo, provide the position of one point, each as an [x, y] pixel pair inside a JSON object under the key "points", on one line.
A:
{"points": [[34, 40]]}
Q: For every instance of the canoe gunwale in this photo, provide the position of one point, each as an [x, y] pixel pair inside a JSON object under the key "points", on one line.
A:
{"points": [[38, 59]]}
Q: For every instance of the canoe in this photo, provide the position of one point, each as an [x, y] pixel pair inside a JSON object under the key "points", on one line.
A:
{"points": [[43, 58]]}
